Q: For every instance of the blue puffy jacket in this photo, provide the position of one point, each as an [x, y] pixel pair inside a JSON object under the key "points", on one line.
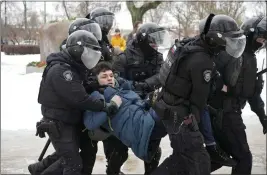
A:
{"points": [[132, 124]]}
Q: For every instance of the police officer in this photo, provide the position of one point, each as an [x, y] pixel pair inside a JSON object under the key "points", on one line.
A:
{"points": [[63, 98], [140, 63], [88, 147], [105, 19], [248, 87], [185, 77]]}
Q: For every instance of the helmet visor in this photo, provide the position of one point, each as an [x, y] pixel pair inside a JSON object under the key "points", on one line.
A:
{"points": [[235, 46], [93, 28], [90, 57], [106, 22], [159, 39]]}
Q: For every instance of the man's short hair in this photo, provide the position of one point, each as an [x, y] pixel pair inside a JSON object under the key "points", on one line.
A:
{"points": [[102, 67]]}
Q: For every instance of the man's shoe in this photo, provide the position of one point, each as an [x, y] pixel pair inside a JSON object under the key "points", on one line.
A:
{"points": [[217, 155]]}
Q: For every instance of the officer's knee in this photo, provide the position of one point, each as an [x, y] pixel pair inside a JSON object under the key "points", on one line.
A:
{"points": [[124, 156]]}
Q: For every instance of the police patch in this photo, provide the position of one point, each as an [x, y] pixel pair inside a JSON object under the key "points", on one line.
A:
{"points": [[67, 75], [207, 75]]}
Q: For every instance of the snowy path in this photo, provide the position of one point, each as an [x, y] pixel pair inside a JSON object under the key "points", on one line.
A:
{"points": [[20, 111]]}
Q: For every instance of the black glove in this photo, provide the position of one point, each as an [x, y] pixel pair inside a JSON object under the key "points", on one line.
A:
{"points": [[141, 86], [111, 108], [259, 85], [263, 121], [91, 85], [39, 131]]}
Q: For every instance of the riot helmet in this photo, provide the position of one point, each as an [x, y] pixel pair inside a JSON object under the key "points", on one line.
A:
{"points": [[221, 32], [256, 33], [150, 37], [88, 25], [84, 48], [103, 17]]}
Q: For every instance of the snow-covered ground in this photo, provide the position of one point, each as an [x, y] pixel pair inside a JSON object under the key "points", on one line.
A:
{"points": [[20, 111]]}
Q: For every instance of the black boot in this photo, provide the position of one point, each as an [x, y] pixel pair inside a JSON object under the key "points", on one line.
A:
{"points": [[36, 168], [217, 155]]}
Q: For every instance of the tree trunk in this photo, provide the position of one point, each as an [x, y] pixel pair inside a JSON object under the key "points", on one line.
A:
{"points": [[138, 13], [87, 4], [25, 15], [5, 16], [65, 8], [44, 12]]}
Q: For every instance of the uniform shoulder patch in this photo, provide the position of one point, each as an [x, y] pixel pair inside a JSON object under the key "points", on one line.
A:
{"points": [[68, 75], [173, 49], [207, 75]]}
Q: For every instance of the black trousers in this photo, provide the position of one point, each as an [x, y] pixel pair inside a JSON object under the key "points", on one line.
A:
{"points": [[233, 140], [115, 151], [189, 156], [67, 157]]}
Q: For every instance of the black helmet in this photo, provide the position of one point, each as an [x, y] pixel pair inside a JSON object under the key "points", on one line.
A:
{"points": [[222, 31], [151, 36], [103, 17], [88, 25], [255, 28], [84, 48]]}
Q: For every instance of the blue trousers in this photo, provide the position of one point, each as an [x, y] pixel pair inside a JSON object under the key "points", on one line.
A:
{"points": [[205, 128]]}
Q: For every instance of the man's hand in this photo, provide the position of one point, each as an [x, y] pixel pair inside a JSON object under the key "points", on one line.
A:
{"points": [[113, 107], [117, 100]]}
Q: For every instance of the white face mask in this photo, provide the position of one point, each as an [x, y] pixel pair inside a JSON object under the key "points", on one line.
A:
{"points": [[90, 57]]}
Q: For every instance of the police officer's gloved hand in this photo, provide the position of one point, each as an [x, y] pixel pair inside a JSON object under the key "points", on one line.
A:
{"points": [[113, 107], [259, 85], [263, 121], [140, 86], [39, 131]]}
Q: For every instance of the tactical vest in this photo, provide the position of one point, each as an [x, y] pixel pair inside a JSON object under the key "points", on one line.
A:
{"points": [[137, 69], [174, 88], [245, 86]]}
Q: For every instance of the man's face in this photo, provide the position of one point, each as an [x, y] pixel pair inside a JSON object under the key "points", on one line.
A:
{"points": [[106, 78]]}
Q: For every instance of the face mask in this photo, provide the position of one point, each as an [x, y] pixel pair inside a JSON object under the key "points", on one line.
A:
{"points": [[90, 57], [235, 46]]}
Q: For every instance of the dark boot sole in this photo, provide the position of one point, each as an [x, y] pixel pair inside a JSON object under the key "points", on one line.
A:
{"points": [[225, 163], [31, 171]]}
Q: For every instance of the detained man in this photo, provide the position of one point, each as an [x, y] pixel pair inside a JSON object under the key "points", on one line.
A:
{"points": [[135, 124]]}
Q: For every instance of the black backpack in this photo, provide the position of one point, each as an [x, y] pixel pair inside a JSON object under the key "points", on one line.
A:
{"points": [[176, 53]]}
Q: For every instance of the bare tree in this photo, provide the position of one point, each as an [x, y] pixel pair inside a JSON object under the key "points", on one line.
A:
{"points": [[137, 13], [44, 12], [66, 10], [203, 9], [34, 23], [85, 7], [185, 16], [25, 14], [233, 9], [259, 8], [156, 15]]}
